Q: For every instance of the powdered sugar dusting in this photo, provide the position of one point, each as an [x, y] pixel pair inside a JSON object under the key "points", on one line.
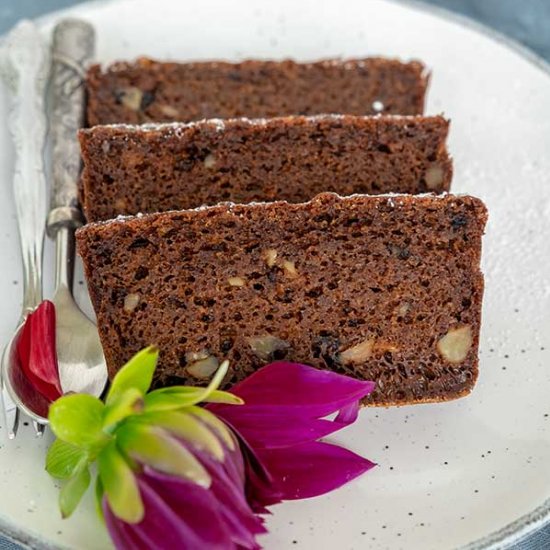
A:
{"points": [[394, 200], [221, 125], [347, 64]]}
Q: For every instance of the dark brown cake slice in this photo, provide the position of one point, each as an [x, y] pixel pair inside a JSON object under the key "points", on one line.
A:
{"points": [[154, 91], [385, 288], [131, 169]]}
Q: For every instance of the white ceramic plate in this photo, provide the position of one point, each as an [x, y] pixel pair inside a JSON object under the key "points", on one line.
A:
{"points": [[472, 472]]}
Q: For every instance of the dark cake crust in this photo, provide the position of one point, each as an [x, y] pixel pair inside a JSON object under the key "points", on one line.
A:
{"points": [[384, 288], [132, 169], [154, 91]]}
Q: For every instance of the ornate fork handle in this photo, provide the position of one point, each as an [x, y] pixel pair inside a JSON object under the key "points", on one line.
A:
{"points": [[24, 68]]}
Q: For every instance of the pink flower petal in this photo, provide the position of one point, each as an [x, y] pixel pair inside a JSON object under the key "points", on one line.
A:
{"points": [[299, 388], [123, 534], [284, 403], [34, 399], [24, 344], [269, 429], [312, 469], [188, 505], [229, 490], [43, 352], [171, 520], [348, 414], [36, 350], [261, 488]]}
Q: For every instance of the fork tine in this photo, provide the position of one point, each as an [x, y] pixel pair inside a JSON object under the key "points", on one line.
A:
{"points": [[38, 428], [10, 413]]}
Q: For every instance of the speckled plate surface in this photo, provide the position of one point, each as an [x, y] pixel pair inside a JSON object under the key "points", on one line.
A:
{"points": [[469, 473]]}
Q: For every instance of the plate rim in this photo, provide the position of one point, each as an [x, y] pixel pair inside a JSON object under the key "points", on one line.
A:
{"points": [[531, 522], [511, 533]]}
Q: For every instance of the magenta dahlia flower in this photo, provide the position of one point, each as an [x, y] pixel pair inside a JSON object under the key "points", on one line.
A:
{"points": [[174, 474]]}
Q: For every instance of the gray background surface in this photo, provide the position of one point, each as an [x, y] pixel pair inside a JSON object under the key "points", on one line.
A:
{"points": [[526, 21]]}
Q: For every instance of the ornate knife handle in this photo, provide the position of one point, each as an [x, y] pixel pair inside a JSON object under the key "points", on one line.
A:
{"points": [[72, 49], [24, 68]]}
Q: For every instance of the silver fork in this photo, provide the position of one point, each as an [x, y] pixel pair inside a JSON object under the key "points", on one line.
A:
{"points": [[24, 68]]}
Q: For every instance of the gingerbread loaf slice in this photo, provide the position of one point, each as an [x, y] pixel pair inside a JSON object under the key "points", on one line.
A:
{"points": [[155, 91], [385, 288], [131, 169]]}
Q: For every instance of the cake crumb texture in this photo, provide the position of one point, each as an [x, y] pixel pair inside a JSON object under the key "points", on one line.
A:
{"points": [[131, 169], [153, 91], [383, 288]]}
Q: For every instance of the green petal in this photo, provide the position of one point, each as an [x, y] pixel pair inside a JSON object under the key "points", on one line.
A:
{"points": [[73, 491], [78, 419], [179, 397], [214, 422], [64, 459], [216, 381], [120, 485], [123, 405], [99, 492], [188, 428], [219, 396], [155, 447], [137, 373]]}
